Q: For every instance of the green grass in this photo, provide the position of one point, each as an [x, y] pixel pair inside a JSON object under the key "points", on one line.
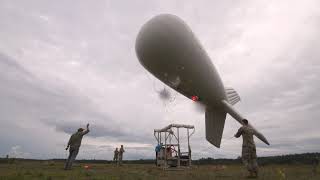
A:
{"points": [[54, 170]]}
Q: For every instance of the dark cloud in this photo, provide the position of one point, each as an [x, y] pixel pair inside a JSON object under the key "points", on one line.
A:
{"points": [[114, 131]]}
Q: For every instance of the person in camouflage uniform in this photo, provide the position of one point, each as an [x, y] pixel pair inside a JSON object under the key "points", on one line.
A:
{"points": [[121, 151], [315, 163], [249, 154], [74, 146], [115, 156]]}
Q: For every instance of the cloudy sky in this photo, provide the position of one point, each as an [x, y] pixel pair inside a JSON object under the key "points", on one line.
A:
{"points": [[63, 64]]}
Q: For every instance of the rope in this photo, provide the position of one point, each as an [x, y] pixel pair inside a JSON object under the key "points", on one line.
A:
{"points": [[174, 97], [154, 87], [169, 104], [166, 103], [148, 75], [66, 154], [211, 147], [229, 138]]}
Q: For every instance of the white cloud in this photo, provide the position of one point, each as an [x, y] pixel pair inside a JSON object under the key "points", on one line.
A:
{"points": [[16, 152]]}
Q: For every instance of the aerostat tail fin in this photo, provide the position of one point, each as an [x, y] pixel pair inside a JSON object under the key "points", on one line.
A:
{"points": [[215, 119], [232, 95]]}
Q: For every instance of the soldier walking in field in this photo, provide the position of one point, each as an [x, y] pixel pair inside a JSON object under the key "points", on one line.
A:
{"points": [[121, 151], [74, 146], [249, 154], [116, 156]]}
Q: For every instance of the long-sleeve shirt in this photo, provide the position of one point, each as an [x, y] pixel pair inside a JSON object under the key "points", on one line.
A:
{"points": [[121, 151], [76, 138], [158, 147], [247, 136]]}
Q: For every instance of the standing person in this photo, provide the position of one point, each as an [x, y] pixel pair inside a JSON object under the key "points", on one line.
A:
{"points": [[115, 156], [7, 158], [249, 154], [74, 146], [157, 149], [315, 163], [121, 151]]}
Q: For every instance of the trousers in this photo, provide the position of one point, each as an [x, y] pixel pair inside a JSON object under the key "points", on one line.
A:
{"points": [[73, 152]]}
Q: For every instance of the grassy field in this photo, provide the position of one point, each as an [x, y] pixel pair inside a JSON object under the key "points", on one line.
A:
{"points": [[54, 170]]}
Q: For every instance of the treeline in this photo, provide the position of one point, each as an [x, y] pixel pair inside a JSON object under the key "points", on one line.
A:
{"points": [[305, 158]]}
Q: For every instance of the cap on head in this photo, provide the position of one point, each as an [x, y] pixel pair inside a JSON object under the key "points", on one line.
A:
{"points": [[245, 121], [80, 129]]}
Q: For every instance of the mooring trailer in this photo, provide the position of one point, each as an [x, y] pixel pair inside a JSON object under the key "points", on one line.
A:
{"points": [[168, 152]]}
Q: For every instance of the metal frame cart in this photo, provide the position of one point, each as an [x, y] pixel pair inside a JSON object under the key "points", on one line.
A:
{"points": [[169, 149]]}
